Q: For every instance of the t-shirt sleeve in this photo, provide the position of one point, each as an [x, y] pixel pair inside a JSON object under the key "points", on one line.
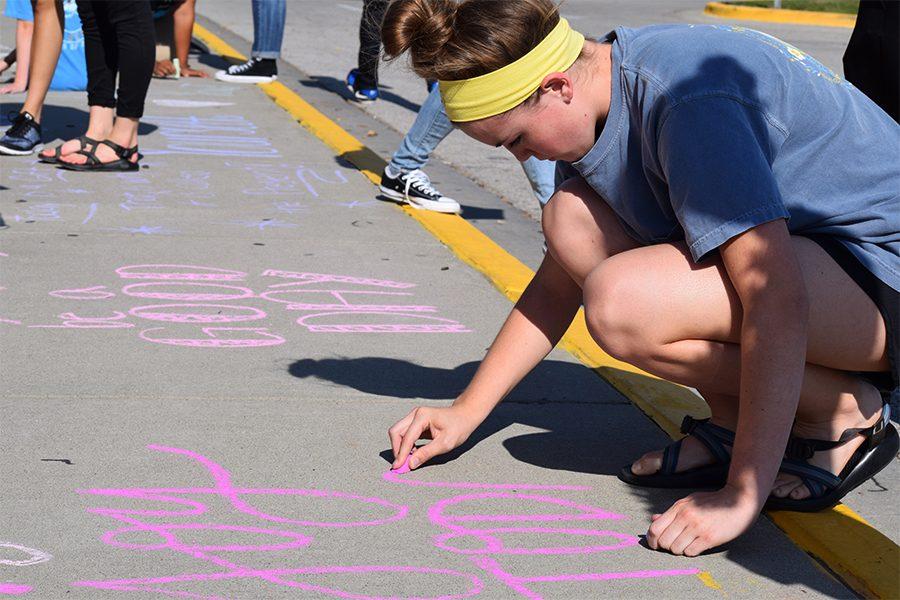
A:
{"points": [[715, 155]]}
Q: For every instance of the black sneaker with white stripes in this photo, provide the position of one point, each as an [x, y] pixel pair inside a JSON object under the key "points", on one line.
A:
{"points": [[255, 70], [415, 189]]}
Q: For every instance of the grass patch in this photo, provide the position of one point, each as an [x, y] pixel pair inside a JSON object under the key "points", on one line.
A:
{"points": [[838, 6]]}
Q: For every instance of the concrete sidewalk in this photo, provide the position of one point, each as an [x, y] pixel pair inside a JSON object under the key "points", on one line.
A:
{"points": [[201, 360], [501, 186]]}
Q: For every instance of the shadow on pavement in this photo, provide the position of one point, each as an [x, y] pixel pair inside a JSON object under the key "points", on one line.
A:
{"points": [[588, 428], [64, 122], [339, 87]]}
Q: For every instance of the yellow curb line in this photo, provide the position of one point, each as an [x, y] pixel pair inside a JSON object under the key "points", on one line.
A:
{"points": [[863, 557], [780, 15]]}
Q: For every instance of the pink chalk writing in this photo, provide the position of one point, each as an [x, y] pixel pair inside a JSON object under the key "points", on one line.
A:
{"points": [[491, 538], [308, 278], [98, 292], [433, 324], [285, 289], [179, 272], [239, 499], [14, 589], [201, 313], [238, 337], [170, 520], [168, 291], [218, 300], [73, 321]]}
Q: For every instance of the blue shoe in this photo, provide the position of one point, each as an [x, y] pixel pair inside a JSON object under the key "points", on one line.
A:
{"points": [[22, 137], [361, 94]]}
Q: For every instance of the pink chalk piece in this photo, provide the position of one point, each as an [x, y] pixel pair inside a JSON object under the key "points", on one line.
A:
{"points": [[404, 468], [4, 254], [179, 272], [169, 290], [14, 589], [258, 337], [10, 321], [201, 313]]}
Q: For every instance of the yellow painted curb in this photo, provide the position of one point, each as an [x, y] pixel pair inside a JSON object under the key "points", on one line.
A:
{"points": [[863, 557], [842, 540], [780, 15]]}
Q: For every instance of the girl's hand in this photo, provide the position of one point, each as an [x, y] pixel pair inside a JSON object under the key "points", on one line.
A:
{"points": [[703, 520], [189, 72], [13, 88], [163, 68], [447, 428]]}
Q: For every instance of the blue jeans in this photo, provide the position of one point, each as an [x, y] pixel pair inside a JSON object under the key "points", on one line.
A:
{"points": [[268, 28], [542, 177], [430, 127]]}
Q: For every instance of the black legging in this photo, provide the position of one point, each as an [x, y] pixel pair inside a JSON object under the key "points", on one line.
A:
{"points": [[872, 59], [370, 42], [118, 40]]}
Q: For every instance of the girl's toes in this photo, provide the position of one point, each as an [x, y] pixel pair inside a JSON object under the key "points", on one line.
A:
{"points": [[800, 492], [785, 489], [648, 464]]}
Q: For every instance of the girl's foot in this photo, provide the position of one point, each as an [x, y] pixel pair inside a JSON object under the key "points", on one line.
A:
{"points": [[864, 412], [72, 146], [104, 154], [693, 454]]}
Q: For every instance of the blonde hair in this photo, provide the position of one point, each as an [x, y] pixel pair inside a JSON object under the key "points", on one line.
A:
{"points": [[451, 40]]}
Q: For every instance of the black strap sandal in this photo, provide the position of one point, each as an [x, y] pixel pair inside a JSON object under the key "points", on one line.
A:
{"points": [[826, 489], [123, 163], [713, 476], [53, 159]]}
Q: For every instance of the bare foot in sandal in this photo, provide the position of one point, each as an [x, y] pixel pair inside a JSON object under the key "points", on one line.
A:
{"points": [[861, 413], [103, 152]]}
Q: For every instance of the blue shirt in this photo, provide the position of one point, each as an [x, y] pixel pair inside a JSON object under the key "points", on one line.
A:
{"points": [[713, 130], [71, 69]]}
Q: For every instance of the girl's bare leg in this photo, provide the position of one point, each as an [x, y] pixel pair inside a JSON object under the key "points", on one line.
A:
{"points": [[46, 44], [100, 127], [653, 307]]}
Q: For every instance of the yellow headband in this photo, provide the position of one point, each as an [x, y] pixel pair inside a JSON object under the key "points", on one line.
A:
{"points": [[498, 91]]}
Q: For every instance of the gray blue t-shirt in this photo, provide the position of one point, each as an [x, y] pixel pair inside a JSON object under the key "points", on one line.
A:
{"points": [[713, 130]]}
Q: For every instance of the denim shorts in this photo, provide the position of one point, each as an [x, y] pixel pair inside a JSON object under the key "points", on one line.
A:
{"points": [[886, 298]]}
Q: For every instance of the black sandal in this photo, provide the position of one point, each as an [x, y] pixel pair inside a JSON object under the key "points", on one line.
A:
{"points": [[124, 162], [83, 140], [713, 476], [826, 488]]}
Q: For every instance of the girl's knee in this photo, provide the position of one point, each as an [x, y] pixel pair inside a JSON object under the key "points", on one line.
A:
{"points": [[614, 302], [566, 208]]}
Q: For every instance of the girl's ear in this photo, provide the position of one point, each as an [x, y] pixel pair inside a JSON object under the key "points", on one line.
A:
{"points": [[558, 83]]}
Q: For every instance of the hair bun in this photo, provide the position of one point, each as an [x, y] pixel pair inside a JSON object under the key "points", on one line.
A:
{"points": [[424, 28]]}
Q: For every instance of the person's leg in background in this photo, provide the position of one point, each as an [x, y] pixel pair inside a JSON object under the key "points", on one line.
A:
{"points": [[541, 175], [872, 58], [131, 24], [102, 61], [22, 56], [46, 43], [363, 80], [268, 31], [403, 178]]}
